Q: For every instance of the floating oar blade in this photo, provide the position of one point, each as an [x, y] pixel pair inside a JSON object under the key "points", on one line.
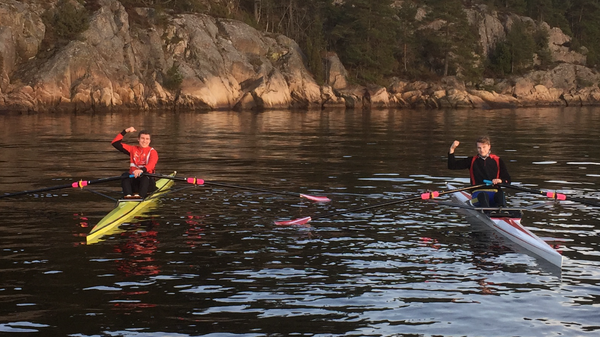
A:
{"points": [[75, 184], [423, 196], [315, 198], [300, 221]]}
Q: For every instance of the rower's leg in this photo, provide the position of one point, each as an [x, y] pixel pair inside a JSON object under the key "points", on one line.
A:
{"points": [[483, 199], [126, 184], [499, 199], [146, 184]]}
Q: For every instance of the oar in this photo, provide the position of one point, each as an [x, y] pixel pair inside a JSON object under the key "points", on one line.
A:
{"points": [[196, 181], [552, 195], [75, 184], [423, 196]]}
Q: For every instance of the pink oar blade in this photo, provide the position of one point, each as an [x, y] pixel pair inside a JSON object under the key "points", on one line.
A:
{"points": [[300, 221], [555, 195], [430, 195], [315, 198], [194, 181]]}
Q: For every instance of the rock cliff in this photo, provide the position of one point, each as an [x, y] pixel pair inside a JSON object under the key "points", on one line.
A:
{"points": [[129, 60]]}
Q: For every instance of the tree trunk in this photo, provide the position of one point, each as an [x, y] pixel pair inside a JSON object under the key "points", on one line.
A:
{"points": [[257, 10]]}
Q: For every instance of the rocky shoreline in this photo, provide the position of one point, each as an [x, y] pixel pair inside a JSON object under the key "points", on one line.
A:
{"points": [[227, 65]]}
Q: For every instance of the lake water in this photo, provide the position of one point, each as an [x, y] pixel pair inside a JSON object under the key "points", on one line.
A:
{"points": [[210, 261]]}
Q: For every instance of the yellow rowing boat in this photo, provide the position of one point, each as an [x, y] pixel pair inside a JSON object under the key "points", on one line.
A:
{"points": [[126, 210]]}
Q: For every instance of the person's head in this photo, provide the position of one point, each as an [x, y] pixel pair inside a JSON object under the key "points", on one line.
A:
{"points": [[484, 146], [144, 138]]}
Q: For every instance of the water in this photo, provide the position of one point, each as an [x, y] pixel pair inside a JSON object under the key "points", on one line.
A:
{"points": [[209, 261]]}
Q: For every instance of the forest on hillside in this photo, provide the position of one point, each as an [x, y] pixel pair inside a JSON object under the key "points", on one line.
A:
{"points": [[378, 39]]}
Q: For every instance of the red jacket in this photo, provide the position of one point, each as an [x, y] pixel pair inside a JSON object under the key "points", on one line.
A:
{"points": [[141, 158]]}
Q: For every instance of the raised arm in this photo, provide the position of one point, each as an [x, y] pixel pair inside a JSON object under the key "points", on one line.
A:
{"points": [[454, 164], [117, 142]]}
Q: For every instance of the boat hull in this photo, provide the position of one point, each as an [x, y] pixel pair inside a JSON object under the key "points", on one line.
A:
{"points": [[510, 227], [126, 210]]}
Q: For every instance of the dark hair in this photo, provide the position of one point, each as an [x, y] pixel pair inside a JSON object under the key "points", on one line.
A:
{"points": [[143, 132], [484, 140]]}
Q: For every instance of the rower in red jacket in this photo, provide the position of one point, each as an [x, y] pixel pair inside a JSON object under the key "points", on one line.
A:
{"points": [[484, 166], [142, 159]]}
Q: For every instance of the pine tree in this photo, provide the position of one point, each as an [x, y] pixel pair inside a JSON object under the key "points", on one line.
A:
{"points": [[451, 42], [365, 38], [522, 47], [584, 19], [407, 38]]}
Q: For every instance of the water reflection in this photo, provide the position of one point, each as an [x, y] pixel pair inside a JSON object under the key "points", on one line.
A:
{"points": [[138, 249]]}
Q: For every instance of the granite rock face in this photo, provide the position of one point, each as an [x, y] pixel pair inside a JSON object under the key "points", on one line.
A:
{"points": [[221, 64], [194, 61]]}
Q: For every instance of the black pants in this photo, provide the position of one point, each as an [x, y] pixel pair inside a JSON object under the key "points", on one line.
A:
{"points": [[142, 185]]}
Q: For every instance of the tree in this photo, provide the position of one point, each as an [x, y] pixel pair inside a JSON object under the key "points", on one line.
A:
{"points": [[365, 37], [522, 46], [453, 46], [314, 41], [407, 37], [515, 6], [584, 20], [500, 59]]}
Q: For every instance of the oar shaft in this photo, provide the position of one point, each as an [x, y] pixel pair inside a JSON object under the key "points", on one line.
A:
{"points": [[552, 195], [75, 184], [363, 208], [248, 188], [423, 196]]}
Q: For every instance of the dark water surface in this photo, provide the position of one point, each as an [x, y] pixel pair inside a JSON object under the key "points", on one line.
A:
{"points": [[210, 261]]}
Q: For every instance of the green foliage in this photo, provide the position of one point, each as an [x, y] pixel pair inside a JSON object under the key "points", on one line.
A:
{"points": [[173, 78], [315, 46], [67, 20], [516, 54], [449, 44], [584, 16], [407, 39], [178, 6], [513, 6], [500, 60], [541, 39], [219, 11], [583, 83], [522, 47], [365, 38], [375, 39]]}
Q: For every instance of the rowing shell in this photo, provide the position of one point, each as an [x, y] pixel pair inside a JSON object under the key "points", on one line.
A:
{"points": [[508, 224], [125, 211]]}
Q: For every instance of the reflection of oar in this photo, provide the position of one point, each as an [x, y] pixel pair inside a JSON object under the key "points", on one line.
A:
{"points": [[424, 196], [552, 195], [203, 182], [75, 184]]}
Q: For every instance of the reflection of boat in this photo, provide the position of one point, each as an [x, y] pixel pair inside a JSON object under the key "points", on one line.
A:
{"points": [[125, 211], [507, 222]]}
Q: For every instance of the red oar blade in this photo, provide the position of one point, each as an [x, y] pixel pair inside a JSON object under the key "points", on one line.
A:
{"points": [[315, 198], [300, 221]]}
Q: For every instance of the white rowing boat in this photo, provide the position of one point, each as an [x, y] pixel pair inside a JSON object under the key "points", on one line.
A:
{"points": [[507, 222]]}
